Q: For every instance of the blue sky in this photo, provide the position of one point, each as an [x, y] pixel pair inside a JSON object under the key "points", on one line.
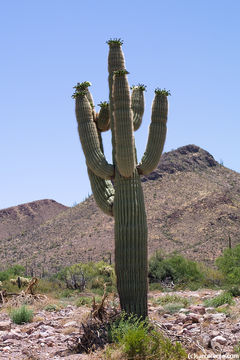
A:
{"points": [[190, 47]]}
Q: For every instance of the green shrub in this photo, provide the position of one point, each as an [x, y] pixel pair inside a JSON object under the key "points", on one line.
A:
{"points": [[229, 264], [46, 286], [51, 307], [166, 299], [67, 293], [211, 277], [138, 340], [172, 303], [172, 308], [17, 270], [237, 349], [21, 315], [234, 290], [221, 299], [89, 275], [13, 271], [175, 267], [83, 300], [155, 286], [4, 275]]}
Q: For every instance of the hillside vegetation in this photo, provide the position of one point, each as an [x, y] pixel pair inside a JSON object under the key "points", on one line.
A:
{"points": [[192, 203]]}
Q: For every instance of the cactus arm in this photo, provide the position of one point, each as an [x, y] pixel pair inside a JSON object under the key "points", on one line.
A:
{"points": [[157, 134], [123, 124], [90, 99], [89, 139], [103, 192], [116, 61], [137, 105], [103, 118]]}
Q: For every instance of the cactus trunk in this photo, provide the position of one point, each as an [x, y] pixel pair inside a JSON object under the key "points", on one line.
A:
{"points": [[130, 244]]}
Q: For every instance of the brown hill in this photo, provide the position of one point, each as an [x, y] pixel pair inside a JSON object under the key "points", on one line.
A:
{"points": [[192, 203], [19, 219]]}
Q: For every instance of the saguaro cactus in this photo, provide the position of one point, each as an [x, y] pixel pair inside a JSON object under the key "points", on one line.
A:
{"points": [[117, 187]]}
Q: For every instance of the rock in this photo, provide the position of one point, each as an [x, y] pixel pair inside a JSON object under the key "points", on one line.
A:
{"points": [[218, 340], [160, 309], [45, 334], [180, 318], [210, 310], [183, 310], [40, 323], [206, 340], [6, 348], [12, 335], [195, 318], [192, 326], [215, 318], [71, 323], [198, 309], [213, 334], [5, 325], [168, 326], [236, 328], [166, 315]]}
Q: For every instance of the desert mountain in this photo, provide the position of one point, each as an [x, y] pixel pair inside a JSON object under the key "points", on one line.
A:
{"points": [[192, 204], [18, 219]]}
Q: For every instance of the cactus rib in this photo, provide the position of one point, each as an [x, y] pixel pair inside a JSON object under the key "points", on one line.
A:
{"points": [[123, 126], [137, 105]]}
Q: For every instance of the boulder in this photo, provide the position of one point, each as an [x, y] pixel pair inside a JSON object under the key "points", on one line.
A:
{"points": [[5, 325]]}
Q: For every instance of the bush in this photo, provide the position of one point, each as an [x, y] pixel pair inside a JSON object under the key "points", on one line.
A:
{"points": [[229, 264], [67, 293], [166, 299], [46, 286], [52, 307], [13, 271], [155, 286], [212, 277], [90, 275], [84, 300], [138, 340], [172, 303], [21, 315], [223, 298], [234, 290], [175, 267]]}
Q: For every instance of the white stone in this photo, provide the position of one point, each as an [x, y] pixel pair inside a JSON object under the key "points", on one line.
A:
{"points": [[218, 340], [70, 323]]}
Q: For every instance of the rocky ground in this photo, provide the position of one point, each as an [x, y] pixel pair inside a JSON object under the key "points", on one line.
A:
{"points": [[204, 330]]}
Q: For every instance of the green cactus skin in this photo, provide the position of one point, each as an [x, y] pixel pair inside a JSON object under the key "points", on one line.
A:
{"points": [[123, 126], [137, 105], [157, 135], [89, 139], [103, 192], [103, 118], [123, 198], [131, 244]]}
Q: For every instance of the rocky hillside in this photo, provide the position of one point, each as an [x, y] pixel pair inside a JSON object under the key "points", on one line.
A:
{"points": [[19, 219], [192, 203]]}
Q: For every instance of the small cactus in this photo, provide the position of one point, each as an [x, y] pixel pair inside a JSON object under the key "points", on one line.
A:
{"points": [[117, 188]]}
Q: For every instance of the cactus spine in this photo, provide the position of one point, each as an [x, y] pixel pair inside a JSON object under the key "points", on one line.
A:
{"points": [[117, 188]]}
